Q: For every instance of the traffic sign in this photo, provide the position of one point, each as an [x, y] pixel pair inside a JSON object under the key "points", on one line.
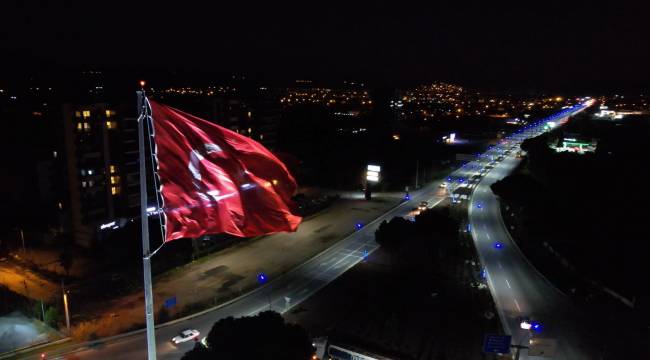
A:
{"points": [[542, 347], [496, 344]]}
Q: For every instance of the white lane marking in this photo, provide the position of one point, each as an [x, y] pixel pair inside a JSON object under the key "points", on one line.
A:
{"points": [[517, 305], [500, 266], [508, 283], [488, 236]]}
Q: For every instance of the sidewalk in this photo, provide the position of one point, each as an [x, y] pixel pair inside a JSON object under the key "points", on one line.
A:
{"points": [[26, 282], [216, 278]]}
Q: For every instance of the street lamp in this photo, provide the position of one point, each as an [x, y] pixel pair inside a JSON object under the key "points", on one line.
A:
{"points": [[67, 312]]}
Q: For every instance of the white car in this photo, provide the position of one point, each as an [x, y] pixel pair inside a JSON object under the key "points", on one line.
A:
{"points": [[185, 335]]}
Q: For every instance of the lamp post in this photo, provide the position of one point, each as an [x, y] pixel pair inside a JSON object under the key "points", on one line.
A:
{"points": [[65, 307], [22, 237]]}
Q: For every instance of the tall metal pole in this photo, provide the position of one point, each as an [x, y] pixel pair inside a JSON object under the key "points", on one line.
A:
{"points": [[65, 307], [22, 237], [146, 259]]}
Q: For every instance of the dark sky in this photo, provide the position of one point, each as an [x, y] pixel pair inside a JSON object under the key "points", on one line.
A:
{"points": [[524, 45]]}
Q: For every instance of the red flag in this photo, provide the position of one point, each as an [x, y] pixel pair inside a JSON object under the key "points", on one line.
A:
{"points": [[215, 180]]}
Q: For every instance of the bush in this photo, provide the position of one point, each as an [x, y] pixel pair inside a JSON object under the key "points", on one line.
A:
{"points": [[52, 316], [263, 336]]}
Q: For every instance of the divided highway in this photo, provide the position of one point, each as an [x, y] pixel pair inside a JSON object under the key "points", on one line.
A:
{"points": [[279, 294], [516, 286]]}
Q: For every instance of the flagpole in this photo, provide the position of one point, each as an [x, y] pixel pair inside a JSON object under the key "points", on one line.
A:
{"points": [[144, 220]]}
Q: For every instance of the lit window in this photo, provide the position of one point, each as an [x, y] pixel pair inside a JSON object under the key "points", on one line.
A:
{"points": [[83, 172], [111, 124], [112, 169], [250, 114], [79, 126], [86, 126], [86, 113], [90, 183], [250, 130], [90, 172], [77, 114], [110, 113], [115, 190], [60, 205], [115, 180], [261, 136], [55, 154], [83, 184]]}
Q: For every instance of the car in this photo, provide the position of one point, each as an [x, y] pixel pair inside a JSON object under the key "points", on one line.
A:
{"points": [[423, 206], [185, 335], [526, 323], [443, 184]]}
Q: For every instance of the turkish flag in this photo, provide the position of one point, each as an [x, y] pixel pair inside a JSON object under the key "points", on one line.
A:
{"points": [[214, 180]]}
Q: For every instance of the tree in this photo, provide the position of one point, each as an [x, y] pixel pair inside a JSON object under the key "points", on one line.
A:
{"points": [[438, 233], [264, 336], [52, 316], [392, 235]]}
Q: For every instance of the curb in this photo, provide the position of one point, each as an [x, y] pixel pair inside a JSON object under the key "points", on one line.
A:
{"points": [[16, 352]]}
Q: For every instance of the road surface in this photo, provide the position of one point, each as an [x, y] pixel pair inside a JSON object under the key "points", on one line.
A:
{"points": [[516, 286], [279, 294]]}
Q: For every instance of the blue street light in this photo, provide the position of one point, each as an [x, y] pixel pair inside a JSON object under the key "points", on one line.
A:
{"points": [[407, 197], [536, 326], [261, 278], [498, 245], [358, 226], [479, 205]]}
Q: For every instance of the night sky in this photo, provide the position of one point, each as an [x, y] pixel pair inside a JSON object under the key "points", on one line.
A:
{"points": [[582, 46]]}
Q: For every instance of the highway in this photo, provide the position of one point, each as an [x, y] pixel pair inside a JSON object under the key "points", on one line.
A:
{"points": [[279, 294], [516, 286], [286, 291]]}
